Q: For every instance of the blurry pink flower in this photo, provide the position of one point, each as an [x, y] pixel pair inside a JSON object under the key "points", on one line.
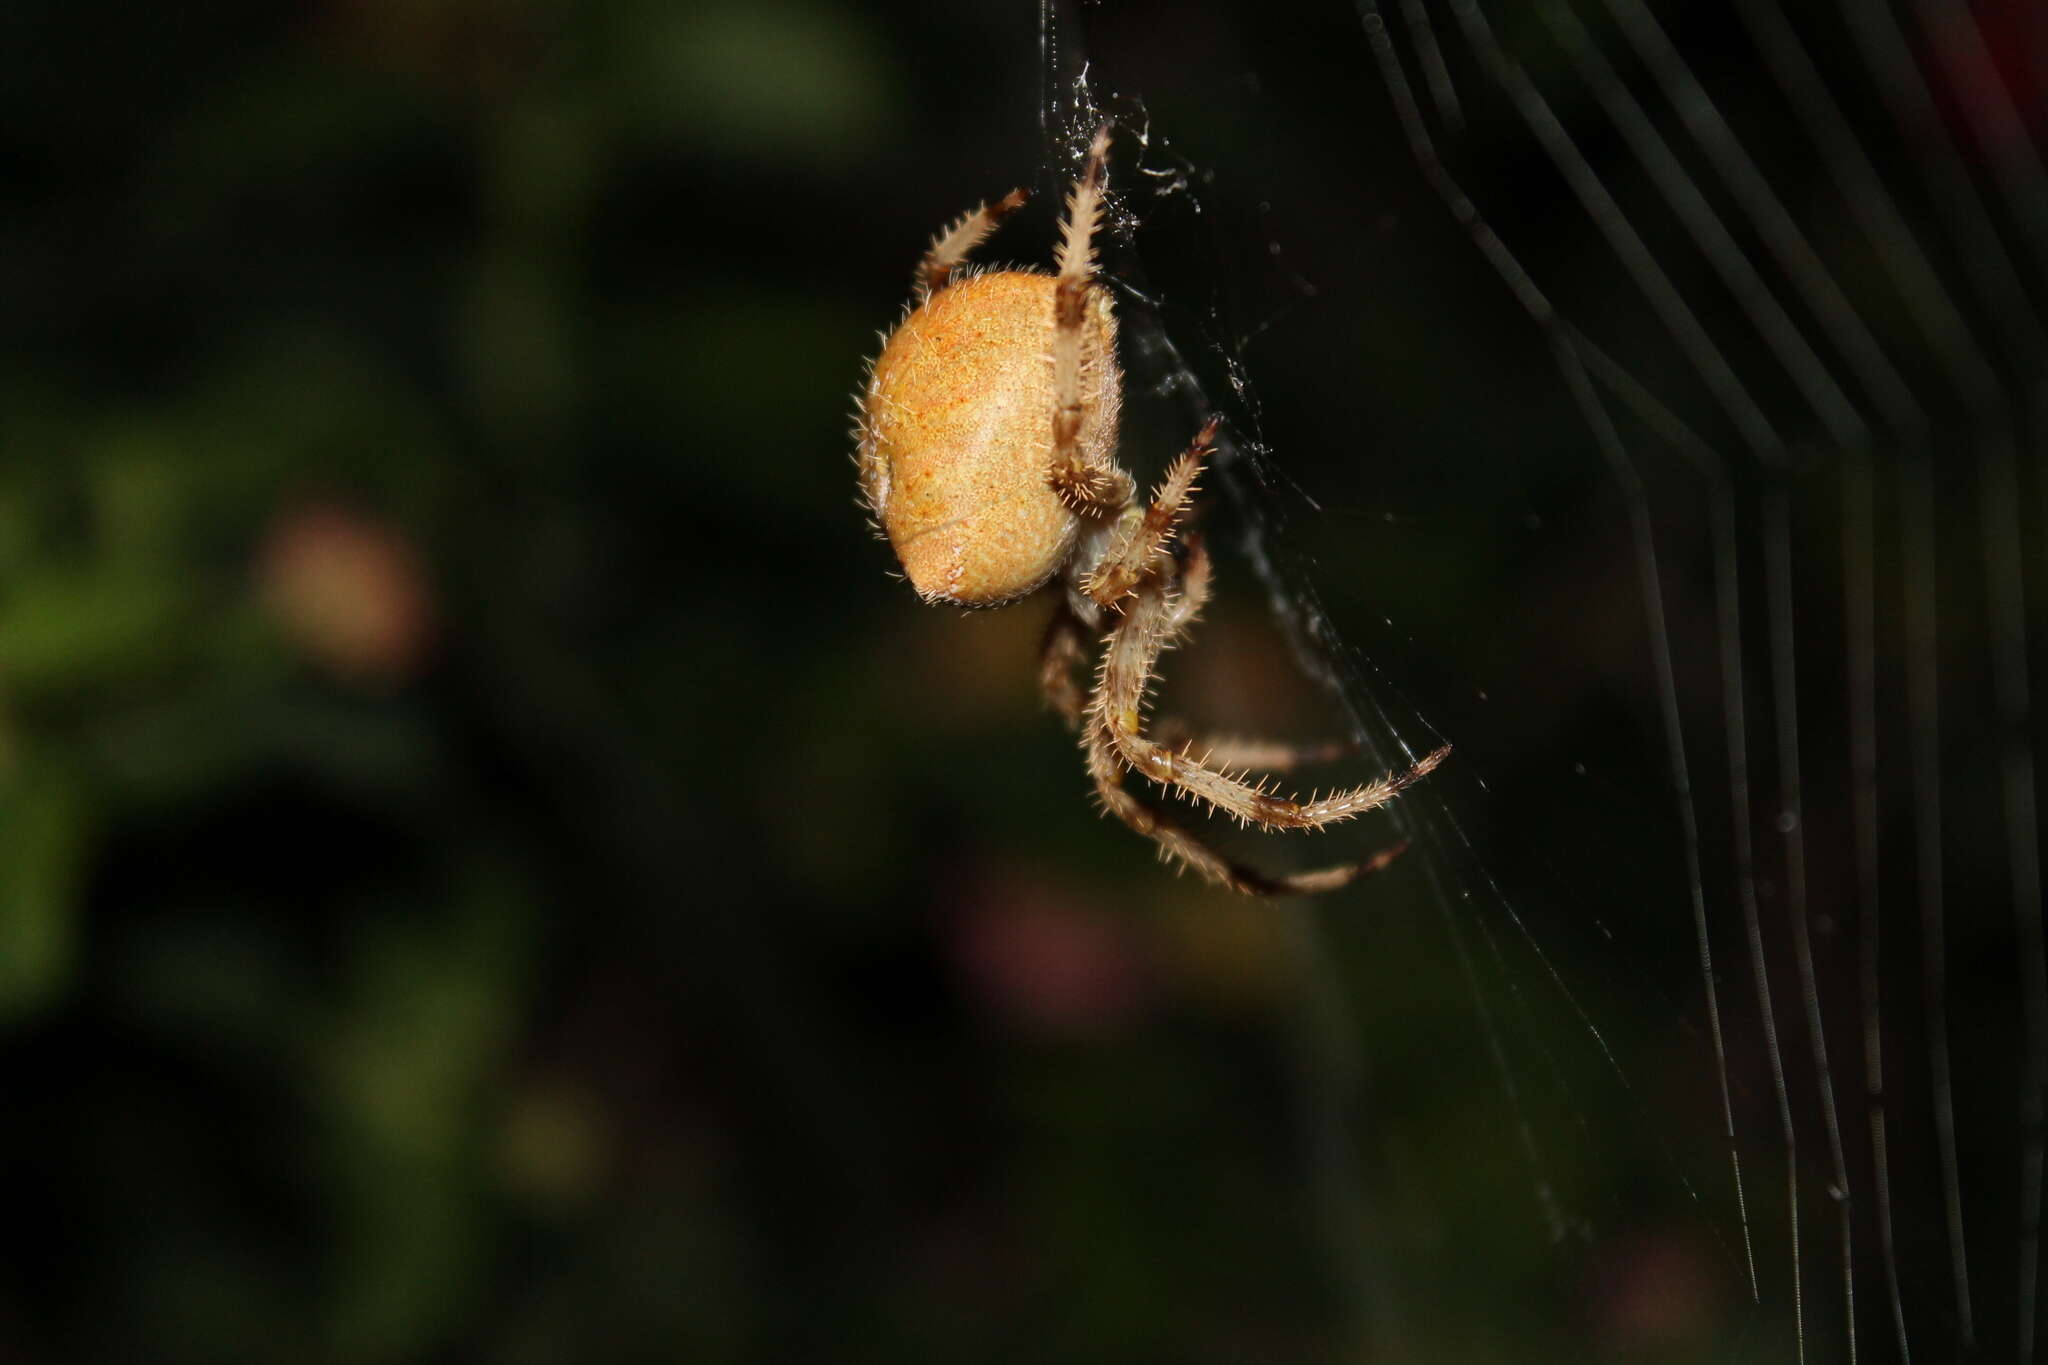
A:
{"points": [[1035, 955], [348, 590]]}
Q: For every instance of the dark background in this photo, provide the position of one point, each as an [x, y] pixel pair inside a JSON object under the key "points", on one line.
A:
{"points": [[492, 867]]}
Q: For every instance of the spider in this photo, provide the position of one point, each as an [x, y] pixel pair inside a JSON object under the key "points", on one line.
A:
{"points": [[987, 454]]}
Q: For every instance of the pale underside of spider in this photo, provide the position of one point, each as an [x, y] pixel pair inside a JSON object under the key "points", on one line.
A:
{"points": [[987, 453]]}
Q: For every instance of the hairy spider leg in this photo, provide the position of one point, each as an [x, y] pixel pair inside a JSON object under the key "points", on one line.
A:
{"points": [[1089, 489], [952, 246], [1176, 844], [1242, 752], [1142, 540], [1227, 751], [1116, 709], [1197, 579], [1066, 644]]}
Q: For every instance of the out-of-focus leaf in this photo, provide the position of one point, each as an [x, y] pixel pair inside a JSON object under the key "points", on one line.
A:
{"points": [[788, 78], [139, 492], [44, 839], [434, 1010], [65, 627]]}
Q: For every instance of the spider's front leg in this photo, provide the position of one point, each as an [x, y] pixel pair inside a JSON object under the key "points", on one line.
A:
{"points": [[1089, 487]]}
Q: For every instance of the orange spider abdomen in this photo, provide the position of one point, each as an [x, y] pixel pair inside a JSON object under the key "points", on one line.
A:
{"points": [[956, 436]]}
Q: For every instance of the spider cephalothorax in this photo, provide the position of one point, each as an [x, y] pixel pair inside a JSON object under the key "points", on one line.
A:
{"points": [[988, 434]]}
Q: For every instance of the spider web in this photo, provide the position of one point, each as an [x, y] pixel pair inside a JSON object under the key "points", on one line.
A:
{"points": [[1690, 369]]}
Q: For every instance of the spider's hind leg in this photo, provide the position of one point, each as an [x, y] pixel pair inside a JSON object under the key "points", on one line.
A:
{"points": [[1243, 752], [1065, 645], [1226, 751], [1113, 740], [1178, 845], [1116, 709], [1066, 642]]}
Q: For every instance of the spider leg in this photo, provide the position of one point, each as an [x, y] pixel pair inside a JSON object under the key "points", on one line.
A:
{"points": [[1068, 635], [1086, 487], [1176, 844], [950, 247], [1067, 638], [1066, 644], [1227, 751], [1141, 541], [1129, 667], [1197, 579], [1243, 752]]}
